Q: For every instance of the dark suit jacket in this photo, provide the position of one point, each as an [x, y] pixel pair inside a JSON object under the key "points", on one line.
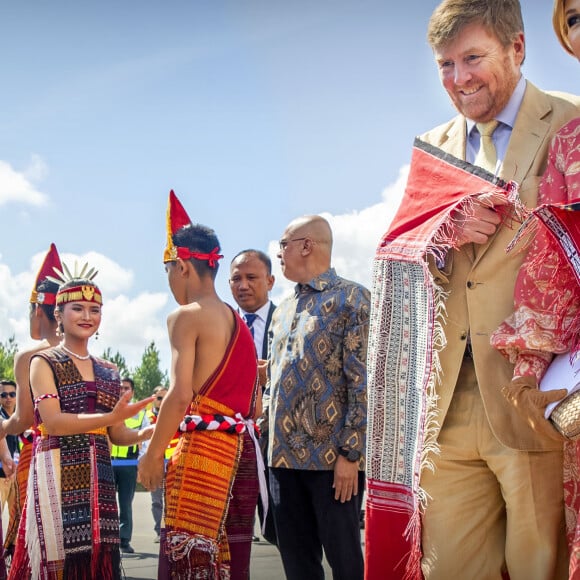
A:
{"points": [[269, 527], [266, 341]]}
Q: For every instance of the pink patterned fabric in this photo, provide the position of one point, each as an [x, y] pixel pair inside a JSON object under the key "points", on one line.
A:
{"points": [[546, 294], [546, 320]]}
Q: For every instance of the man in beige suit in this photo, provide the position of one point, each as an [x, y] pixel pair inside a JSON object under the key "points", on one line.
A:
{"points": [[496, 489]]}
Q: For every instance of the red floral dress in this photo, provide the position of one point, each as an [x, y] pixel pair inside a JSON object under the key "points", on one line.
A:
{"points": [[546, 320]]}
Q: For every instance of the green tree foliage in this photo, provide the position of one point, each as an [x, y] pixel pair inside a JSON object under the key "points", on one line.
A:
{"points": [[148, 375], [7, 351], [117, 359]]}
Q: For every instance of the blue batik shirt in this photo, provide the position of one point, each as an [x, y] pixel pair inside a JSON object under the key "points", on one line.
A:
{"points": [[316, 398]]}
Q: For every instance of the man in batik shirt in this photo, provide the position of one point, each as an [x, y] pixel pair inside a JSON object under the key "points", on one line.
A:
{"points": [[317, 408]]}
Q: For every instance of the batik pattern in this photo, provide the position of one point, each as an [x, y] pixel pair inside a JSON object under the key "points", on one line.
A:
{"points": [[317, 386]]}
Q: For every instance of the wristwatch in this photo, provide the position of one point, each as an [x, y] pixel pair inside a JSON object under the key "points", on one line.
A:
{"points": [[351, 455]]}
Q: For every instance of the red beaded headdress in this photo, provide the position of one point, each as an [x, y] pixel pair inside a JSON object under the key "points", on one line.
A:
{"points": [[79, 293], [177, 218], [51, 261]]}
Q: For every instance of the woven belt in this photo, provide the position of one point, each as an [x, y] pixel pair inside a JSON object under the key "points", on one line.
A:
{"points": [[215, 422], [41, 430]]}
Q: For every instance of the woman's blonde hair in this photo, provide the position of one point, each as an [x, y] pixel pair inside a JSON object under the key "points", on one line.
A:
{"points": [[560, 25]]}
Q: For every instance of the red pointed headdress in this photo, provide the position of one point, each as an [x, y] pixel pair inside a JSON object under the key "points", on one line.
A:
{"points": [[177, 218], [51, 261]]}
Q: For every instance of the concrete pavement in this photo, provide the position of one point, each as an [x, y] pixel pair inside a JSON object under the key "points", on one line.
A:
{"points": [[142, 565], [265, 562]]}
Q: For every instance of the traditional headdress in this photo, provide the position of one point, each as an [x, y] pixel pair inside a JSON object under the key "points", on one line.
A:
{"points": [[79, 293], [177, 219], [50, 264]]}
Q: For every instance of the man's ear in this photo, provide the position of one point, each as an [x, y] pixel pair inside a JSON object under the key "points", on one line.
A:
{"points": [[183, 267], [307, 246], [38, 311]]}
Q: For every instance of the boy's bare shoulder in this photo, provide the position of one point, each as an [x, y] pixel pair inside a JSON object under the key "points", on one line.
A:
{"points": [[199, 311], [24, 356]]}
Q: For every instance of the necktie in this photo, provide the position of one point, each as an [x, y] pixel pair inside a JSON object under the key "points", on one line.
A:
{"points": [[249, 318], [487, 155]]}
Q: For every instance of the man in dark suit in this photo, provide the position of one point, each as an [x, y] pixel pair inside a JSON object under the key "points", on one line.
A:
{"points": [[251, 280]]}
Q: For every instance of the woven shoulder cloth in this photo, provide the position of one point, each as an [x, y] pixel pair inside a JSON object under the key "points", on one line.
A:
{"points": [[404, 339]]}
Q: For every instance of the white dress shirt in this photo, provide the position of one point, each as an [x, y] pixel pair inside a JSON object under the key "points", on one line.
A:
{"points": [[259, 326]]}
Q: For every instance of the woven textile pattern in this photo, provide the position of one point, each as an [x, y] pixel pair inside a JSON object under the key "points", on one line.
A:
{"points": [[241, 512], [405, 337], [400, 349], [199, 481], [22, 470], [70, 523]]}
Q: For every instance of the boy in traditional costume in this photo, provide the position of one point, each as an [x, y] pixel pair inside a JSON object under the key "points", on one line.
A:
{"points": [[43, 327], [213, 390], [70, 526]]}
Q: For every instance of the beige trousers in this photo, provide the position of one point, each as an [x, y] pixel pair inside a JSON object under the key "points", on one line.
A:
{"points": [[492, 509]]}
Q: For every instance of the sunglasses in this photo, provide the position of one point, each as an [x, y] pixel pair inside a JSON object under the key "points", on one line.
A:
{"points": [[11, 394], [160, 398]]}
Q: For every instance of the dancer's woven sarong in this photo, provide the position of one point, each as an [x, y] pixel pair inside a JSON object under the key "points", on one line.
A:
{"points": [[404, 340], [242, 510], [22, 470], [201, 472], [70, 525]]}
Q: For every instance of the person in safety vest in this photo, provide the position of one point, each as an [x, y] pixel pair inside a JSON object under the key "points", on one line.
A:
{"points": [[125, 468]]}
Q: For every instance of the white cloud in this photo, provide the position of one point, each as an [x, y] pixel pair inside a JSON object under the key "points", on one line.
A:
{"points": [[132, 321], [129, 323], [112, 278], [356, 236], [37, 170], [18, 186]]}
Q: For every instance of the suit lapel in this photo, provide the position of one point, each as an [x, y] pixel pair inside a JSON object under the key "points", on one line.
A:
{"points": [[266, 328], [454, 141], [529, 132]]}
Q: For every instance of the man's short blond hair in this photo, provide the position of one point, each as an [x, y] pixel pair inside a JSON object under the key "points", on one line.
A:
{"points": [[503, 18]]}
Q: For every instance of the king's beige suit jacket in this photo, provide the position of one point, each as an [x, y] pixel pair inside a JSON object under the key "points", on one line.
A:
{"points": [[480, 289]]}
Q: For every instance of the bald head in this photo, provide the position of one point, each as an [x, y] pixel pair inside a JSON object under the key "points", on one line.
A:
{"points": [[314, 227], [306, 248]]}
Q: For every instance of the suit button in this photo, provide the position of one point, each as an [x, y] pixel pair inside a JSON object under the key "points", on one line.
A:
{"points": [[470, 284], [463, 336]]}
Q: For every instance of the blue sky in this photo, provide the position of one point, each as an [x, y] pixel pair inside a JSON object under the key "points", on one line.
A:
{"points": [[254, 112]]}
